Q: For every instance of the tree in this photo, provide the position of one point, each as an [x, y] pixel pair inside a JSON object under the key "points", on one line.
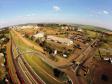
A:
{"points": [[26, 35], [56, 72], [32, 38]]}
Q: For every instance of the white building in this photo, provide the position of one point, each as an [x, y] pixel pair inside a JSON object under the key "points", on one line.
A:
{"points": [[55, 52], [25, 27], [107, 59], [65, 41], [29, 26], [80, 30], [39, 35], [64, 27], [64, 55], [1, 54]]}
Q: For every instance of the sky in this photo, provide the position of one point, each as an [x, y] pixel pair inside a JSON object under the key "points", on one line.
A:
{"points": [[90, 12]]}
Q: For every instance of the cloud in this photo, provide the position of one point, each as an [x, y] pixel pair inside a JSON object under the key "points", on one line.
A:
{"points": [[27, 15], [99, 13], [32, 14], [105, 12], [56, 8]]}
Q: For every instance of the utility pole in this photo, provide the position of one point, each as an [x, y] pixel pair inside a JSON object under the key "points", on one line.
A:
{"points": [[100, 53]]}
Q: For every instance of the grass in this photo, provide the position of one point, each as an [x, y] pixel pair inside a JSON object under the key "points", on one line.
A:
{"points": [[90, 27], [2, 69], [105, 45], [58, 46], [108, 38], [91, 34], [41, 68], [104, 49], [26, 42], [23, 47], [49, 30]]}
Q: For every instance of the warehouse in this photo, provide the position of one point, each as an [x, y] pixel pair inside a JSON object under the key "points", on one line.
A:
{"points": [[65, 41]]}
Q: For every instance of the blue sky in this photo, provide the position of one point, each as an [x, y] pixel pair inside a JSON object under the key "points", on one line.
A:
{"points": [[92, 12]]}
